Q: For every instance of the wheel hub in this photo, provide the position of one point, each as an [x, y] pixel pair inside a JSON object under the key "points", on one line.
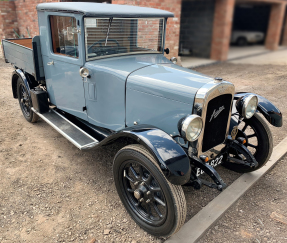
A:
{"points": [[137, 194], [141, 191], [144, 194]]}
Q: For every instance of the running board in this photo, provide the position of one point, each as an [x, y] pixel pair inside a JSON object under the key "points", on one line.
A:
{"points": [[70, 131]]}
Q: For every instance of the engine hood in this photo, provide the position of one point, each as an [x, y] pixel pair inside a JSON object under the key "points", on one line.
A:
{"points": [[168, 81]]}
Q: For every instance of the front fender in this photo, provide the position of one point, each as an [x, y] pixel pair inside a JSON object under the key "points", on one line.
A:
{"points": [[15, 75], [171, 157], [272, 114]]}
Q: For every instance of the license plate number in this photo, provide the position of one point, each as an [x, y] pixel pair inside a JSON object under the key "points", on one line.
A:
{"points": [[213, 163]]}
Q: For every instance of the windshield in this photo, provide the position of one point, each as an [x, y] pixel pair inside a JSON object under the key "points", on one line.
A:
{"points": [[118, 36]]}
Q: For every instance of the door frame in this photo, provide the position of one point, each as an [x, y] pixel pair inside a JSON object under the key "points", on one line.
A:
{"points": [[77, 62], [81, 42]]}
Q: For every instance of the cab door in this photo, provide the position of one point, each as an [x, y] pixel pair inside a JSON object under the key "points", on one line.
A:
{"points": [[64, 60]]}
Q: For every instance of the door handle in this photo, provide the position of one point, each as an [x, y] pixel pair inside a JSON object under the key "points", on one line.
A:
{"points": [[50, 63]]}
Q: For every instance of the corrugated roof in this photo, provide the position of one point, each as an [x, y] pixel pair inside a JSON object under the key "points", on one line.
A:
{"points": [[103, 10]]}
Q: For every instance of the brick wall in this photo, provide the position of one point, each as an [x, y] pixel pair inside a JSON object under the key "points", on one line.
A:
{"points": [[8, 19], [275, 26], [19, 15], [27, 16], [173, 24], [196, 27], [222, 25]]}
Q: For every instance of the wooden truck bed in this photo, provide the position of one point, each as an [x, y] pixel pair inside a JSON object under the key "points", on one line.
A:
{"points": [[25, 54], [27, 42]]}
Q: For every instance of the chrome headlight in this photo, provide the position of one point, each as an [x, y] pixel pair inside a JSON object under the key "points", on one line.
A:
{"points": [[190, 127], [247, 105]]}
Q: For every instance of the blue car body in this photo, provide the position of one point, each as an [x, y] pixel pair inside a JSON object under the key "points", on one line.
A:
{"points": [[139, 94], [145, 88]]}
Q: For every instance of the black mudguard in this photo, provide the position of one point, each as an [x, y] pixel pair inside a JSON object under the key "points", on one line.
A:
{"points": [[172, 159], [272, 114], [19, 73]]}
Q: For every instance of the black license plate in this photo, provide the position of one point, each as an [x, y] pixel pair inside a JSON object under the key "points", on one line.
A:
{"points": [[215, 162]]}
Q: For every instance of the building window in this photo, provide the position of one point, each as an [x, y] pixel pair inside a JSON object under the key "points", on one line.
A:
{"points": [[64, 36]]}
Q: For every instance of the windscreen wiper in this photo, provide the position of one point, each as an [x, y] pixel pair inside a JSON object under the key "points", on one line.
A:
{"points": [[110, 23]]}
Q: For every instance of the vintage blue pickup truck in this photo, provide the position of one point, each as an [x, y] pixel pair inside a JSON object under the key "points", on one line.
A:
{"points": [[97, 73]]}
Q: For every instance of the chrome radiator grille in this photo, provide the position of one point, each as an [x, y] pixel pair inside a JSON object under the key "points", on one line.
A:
{"points": [[216, 121], [213, 102]]}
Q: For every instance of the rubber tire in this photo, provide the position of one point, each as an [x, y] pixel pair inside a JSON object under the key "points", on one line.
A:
{"points": [[265, 140], [175, 199], [241, 41], [32, 116]]}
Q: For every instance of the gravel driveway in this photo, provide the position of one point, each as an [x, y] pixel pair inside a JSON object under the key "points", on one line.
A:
{"points": [[52, 192], [251, 218]]}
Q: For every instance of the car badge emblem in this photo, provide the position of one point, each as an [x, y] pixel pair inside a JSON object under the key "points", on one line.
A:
{"points": [[216, 113]]}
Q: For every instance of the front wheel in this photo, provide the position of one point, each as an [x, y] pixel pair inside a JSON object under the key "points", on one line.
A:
{"points": [[155, 204], [259, 142]]}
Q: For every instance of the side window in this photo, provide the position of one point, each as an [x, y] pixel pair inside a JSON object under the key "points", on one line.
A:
{"points": [[64, 36]]}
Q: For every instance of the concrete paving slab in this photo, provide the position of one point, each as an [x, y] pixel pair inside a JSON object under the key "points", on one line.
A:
{"points": [[195, 228], [243, 51], [255, 54], [278, 57], [192, 62]]}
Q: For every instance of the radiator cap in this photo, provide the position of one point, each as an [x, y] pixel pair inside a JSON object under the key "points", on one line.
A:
{"points": [[218, 79]]}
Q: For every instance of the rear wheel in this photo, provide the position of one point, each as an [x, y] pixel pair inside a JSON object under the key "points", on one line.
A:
{"points": [[25, 102], [259, 142], [155, 204]]}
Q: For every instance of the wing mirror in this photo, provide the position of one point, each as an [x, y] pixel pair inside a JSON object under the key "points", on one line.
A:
{"points": [[166, 50]]}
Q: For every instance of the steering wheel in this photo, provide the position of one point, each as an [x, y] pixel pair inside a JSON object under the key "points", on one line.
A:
{"points": [[101, 47]]}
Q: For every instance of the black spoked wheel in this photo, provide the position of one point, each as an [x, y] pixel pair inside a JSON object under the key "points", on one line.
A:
{"points": [[258, 141], [144, 194], [25, 102], [156, 205]]}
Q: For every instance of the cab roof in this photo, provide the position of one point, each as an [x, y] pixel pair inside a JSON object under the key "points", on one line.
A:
{"points": [[103, 10]]}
